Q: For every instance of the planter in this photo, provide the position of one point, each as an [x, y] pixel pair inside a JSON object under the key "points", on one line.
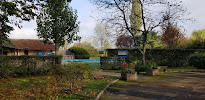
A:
{"points": [[152, 72], [129, 77], [162, 68]]}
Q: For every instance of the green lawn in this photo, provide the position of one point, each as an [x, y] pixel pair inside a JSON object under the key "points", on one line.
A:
{"points": [[49, 87]]}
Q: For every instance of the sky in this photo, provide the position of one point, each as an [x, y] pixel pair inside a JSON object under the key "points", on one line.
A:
{"points": [[86, 16]]}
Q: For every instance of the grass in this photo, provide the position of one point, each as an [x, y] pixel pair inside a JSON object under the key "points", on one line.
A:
{"points": [[49, 87], [94, 65], [181, 68]]}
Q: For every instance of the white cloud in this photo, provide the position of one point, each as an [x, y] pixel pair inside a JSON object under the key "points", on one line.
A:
{"points": [[26, 32]]}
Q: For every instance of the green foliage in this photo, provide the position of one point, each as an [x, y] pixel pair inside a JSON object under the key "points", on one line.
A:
{"points": [[139, 66], [57, 22], [196, 44], [197, 60], [128, 68], [88, 47], [153, 40], [198, 40], [198, 35], [27, 65], [80, 53], [136, 21]]}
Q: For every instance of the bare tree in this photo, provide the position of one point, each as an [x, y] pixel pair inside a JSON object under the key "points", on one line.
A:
{"points": [[118, 16], [101, 36]]}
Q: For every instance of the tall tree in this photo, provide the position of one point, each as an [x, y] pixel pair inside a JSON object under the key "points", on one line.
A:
{"points": [[197, 40], [135, 18], [57, 22], [171, 36], [198, 35], [100, 37]]}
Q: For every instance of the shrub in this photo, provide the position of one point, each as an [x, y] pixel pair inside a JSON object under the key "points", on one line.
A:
{"points": [[80, 53], [139, 67], [197, 60]]}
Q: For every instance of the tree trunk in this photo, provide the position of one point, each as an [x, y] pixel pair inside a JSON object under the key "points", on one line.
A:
{"points": [[143, 58]]}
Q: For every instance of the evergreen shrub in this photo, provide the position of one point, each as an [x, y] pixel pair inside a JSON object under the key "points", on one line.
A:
{"points": [[80, 53]]}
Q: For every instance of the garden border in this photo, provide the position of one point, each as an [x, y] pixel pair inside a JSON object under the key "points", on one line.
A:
{"points": [[100, 94]]}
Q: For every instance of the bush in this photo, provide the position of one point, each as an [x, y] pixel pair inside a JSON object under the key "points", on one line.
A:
{"points": [[139, 67], [197, 60], [80, 53]]}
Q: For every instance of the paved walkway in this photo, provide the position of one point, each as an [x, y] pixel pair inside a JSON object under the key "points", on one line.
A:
{"points": [[184, 86]]}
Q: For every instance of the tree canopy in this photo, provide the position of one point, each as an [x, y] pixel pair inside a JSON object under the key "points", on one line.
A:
{"points": [[57, 22]]}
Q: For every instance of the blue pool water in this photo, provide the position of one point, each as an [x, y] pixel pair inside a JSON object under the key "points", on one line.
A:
{"points": [[84, 60]]}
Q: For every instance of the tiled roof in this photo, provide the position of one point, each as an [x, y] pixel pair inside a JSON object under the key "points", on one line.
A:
{"points": [[9, 44], [32, 44]]}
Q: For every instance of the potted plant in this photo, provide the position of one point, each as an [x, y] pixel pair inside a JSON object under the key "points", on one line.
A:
{"points": [[151, 67], [128, 72]]}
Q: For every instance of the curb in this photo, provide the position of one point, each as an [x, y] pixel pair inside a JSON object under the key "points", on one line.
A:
{"points": [[100, 94]]}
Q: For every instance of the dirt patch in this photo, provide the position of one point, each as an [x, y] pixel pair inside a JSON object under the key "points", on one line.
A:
{"points": [[182, 86]]}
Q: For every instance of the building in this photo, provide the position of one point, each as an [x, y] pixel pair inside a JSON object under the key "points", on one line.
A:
{"points": [[67, 55], [25, 47]]}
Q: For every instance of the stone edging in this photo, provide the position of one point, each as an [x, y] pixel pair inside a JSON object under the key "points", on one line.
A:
{"points": [[98, 96]]}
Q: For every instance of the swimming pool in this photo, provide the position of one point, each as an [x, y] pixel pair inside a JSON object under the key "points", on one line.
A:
{"points": [[84, 60], [81, 60]]}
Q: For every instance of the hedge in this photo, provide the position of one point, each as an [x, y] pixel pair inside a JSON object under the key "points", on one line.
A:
{"points": [[197, 60], [111, 63], [80, 53], [163, 57], [27, 65]]}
